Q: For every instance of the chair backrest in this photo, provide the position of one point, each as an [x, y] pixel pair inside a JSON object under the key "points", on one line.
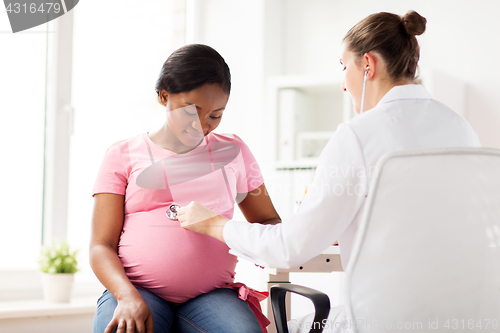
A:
{"points": [[427, 253]]}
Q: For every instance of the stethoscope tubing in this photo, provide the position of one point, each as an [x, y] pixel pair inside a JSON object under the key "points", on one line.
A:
{"points": [[172, 210], [363, 93]]}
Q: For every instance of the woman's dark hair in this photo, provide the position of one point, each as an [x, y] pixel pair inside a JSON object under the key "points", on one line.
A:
{"points": [[191, 67], [393, 37]]}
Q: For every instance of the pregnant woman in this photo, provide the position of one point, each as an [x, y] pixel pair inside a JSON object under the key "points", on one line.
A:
{"points": [[158, 276]]}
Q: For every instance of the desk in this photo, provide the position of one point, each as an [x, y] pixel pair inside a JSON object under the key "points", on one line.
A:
{"points": [[328, 261]]}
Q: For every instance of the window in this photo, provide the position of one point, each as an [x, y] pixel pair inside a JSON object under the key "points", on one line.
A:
{"points": [[113, 97], [23, 68]]}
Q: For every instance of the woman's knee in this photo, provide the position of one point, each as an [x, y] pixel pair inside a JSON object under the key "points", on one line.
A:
{"points": [[162, 311], [218, 311], [163, 315], [106, 305]]}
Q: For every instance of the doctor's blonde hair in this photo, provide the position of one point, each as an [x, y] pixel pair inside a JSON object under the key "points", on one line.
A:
{"points": [[393, 37]]}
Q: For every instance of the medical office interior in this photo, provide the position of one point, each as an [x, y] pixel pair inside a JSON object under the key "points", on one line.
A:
{"points": [[73, 86]]}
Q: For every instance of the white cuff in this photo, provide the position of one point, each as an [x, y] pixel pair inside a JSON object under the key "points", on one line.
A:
{"points": [[231, 238]]}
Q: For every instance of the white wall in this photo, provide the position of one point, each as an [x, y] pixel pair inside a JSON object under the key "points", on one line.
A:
{"points": [[459, 41], [235, 29], [261, 38]]}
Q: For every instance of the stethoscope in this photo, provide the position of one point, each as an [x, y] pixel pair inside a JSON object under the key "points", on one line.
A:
{"points": [[172, 211], [223, 154]]}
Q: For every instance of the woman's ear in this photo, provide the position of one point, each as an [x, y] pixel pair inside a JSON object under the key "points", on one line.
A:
{"points": [[370, 62], [163, 96]]}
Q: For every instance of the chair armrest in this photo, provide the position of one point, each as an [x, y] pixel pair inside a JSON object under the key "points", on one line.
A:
{"points": [[320, 300]]}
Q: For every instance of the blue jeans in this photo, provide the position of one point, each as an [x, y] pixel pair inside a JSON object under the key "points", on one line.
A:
{"points": [[218, 311]]}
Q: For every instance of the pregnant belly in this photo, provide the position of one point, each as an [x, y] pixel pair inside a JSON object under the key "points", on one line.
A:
{"points": [[174, 263]]}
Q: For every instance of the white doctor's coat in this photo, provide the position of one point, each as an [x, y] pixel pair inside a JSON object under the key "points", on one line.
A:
{"points": [[405, 118]]}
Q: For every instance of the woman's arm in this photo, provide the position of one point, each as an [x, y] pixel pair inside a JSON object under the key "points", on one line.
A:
{"points": [[257, 207], [132, 311]]}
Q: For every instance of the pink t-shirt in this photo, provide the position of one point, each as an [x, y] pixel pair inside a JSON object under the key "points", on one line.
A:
{"points": [[157, 254]]}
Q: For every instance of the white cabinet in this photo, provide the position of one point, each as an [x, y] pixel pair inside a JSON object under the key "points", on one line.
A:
{"points": [[304, 112]]}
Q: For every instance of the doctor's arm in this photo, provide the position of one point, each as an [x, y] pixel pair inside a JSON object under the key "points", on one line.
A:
{"points": [[334, 198], [256, 206]]}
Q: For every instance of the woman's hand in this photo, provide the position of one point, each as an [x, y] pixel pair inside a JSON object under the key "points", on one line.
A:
{"points": [[131, 315], [199, 218]]}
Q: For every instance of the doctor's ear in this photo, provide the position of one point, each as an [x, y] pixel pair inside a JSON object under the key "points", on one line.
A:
{"points": [[369, 60]]}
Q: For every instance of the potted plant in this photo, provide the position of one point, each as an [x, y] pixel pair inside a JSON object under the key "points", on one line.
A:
{"points": [[58, 265]]}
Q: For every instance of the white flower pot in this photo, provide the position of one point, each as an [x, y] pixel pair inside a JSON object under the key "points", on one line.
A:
{"points": [[57, 287]]}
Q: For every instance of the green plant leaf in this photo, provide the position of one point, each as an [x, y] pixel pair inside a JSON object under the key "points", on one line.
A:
{"points": [[58, 258]]}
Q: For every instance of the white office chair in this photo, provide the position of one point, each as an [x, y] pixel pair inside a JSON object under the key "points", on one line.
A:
{"points": [[427, 254]]}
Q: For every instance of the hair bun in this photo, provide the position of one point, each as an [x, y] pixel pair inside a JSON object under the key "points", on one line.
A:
{"points": [[414, 23]]}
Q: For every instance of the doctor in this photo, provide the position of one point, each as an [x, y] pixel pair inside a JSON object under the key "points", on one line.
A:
{"points": [[379, 58]]}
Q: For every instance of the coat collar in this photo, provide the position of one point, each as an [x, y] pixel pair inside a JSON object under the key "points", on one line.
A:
{"points": [[407, 91]]}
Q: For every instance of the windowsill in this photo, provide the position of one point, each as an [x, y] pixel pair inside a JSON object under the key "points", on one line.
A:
{"points": [[40, 308], [21, 296]]}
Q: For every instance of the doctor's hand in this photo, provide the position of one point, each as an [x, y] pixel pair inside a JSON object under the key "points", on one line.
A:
{"points": [[196, 217]]}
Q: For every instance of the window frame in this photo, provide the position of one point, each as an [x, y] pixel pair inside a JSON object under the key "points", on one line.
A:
{"points": [[23, 284]]}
